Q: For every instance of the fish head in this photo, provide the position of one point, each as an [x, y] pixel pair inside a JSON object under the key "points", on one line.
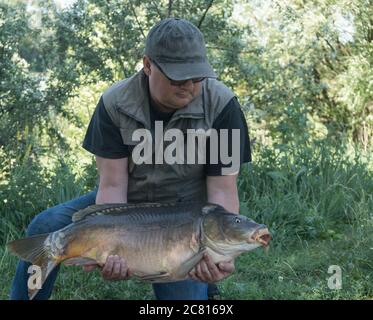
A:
{"points": [[227, 229]]}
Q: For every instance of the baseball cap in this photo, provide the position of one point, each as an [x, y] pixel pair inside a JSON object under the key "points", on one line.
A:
{"points": [[178, 47]]}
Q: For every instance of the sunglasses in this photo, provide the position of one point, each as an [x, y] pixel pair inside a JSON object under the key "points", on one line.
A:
{"points": [[177, 82]]}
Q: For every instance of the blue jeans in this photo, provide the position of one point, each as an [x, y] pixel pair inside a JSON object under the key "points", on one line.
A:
{"points": [[58, 217]]}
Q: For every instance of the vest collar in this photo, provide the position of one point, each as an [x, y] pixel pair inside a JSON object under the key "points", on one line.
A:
{"points": [[135, 102]]}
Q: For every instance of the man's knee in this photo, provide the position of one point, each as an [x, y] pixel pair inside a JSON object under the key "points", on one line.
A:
{"points": [[60, 215], [46, 222]]}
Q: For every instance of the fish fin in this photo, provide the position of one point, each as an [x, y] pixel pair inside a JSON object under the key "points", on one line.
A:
{"points": [[182, 273], [213, 208], [79, 261], [95, 210], [32, 249], [157, 277], [109, 208], [190, 263], [113, 208]]}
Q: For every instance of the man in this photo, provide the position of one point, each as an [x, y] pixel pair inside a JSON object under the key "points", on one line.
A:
{"points": [[177, 87]]}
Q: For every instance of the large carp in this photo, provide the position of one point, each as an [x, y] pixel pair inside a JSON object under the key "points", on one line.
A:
{"points": [[160, 242]]}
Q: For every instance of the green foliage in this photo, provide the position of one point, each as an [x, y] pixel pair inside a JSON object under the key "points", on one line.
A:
{"points": [[302, 72], [30, 96], [318, 205], [19, 89], [27, 189], [308, 72], [312, 190]]}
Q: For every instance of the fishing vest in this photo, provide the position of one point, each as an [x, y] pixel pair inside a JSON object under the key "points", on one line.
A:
{"points": [[127, 103]]}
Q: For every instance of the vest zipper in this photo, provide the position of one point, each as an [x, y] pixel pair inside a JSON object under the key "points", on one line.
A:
{"points": [[187, 116]]}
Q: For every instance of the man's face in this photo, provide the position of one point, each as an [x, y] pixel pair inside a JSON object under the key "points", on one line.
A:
{"points": [[167, 96]]}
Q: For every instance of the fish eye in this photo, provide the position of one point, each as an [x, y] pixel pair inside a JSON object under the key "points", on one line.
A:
{"points": [[238, 220]]}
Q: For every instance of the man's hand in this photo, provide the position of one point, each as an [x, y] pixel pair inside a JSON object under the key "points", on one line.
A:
{"points": [[207, 271], [115, 268]]}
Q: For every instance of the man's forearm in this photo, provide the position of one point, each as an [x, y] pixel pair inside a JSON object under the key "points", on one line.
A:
{"points": [[113, 180], [228, 200], [111, 194], [223, 190]]}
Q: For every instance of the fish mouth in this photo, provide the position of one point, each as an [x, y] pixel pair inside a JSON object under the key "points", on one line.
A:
{"points": [[262, 236]]}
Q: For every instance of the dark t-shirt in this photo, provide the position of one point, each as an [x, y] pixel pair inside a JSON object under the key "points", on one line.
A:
{"points": [[103, 138]]}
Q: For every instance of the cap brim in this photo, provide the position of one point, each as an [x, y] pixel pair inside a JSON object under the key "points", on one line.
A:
{"points": [[178, 71]]}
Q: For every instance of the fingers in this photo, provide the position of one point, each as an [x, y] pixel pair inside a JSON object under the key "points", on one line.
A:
{"points": [[207, 271], [124, 269], [115, 268], [227, 267], [192, 274], [108, 268], [203, 271], [214, 271]]}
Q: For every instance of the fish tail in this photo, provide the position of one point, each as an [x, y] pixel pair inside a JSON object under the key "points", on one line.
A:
{"points": [[32, 249]]}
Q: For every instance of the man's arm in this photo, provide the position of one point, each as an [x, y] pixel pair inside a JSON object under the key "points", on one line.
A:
{"points": [[223, 190], [112, 189], [113, 180]]}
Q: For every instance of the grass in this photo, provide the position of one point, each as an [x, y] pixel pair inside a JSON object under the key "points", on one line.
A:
{"points": [[317, 202]]}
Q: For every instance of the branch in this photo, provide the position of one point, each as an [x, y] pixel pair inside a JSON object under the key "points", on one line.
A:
{"points": [[204, 14], [156, 8], [169, 7], [330, 101], [137, 21]]}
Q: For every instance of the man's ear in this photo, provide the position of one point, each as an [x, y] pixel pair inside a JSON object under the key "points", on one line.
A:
{"points": [[147, 65]]}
